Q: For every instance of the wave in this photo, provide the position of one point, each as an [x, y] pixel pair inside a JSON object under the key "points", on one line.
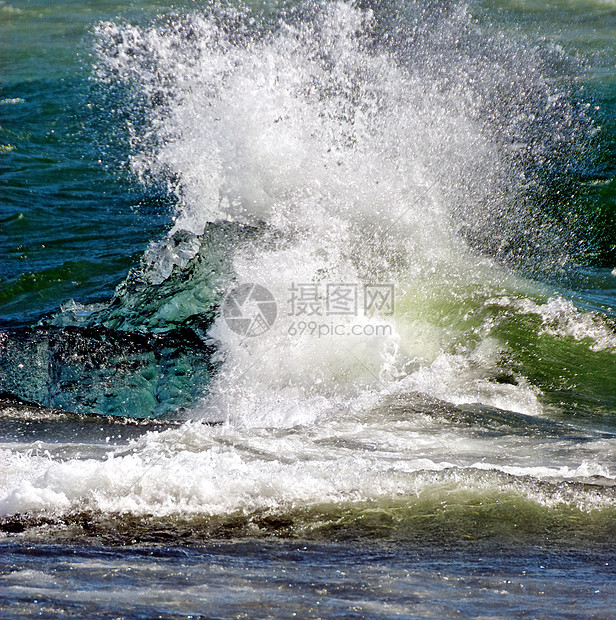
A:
{"points": [[343, 308], [353, 477], [398, 145]]}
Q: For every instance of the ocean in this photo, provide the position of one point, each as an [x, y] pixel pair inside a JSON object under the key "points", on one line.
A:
{"points": [[308, 309]]}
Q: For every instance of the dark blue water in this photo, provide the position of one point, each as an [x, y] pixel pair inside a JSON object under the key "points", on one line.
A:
{"points": [[227, 580]]}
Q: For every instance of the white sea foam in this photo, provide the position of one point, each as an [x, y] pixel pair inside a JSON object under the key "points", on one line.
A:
{"points": [[561, 318], [199, 470]]}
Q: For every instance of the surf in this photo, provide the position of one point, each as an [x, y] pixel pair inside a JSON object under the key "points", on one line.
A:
{"points": [[317, 151]]}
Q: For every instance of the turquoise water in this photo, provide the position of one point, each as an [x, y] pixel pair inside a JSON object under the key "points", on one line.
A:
{"points": [[307, 308]]}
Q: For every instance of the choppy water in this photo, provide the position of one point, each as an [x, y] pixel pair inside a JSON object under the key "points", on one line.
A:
{"points": [[328, 272]]}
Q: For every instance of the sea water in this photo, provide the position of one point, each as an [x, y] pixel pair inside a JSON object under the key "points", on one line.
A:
{"points": [[308, 308]]}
